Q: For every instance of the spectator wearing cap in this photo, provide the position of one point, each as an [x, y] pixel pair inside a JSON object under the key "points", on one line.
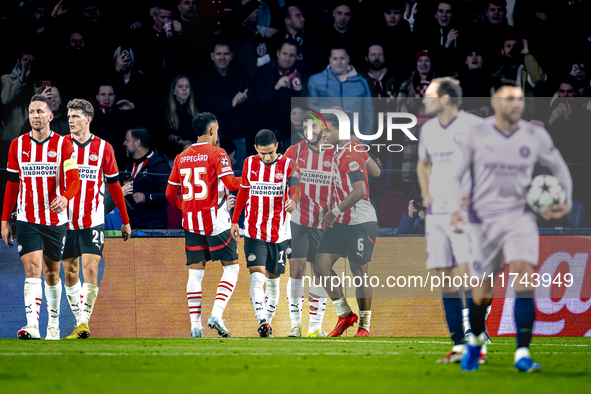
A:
{"points": [[275, 85], [338, 81], [420, 78]]}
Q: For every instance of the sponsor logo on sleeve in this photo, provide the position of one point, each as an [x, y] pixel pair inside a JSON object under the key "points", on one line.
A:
{"points": [[353, 166], [225, 161]]}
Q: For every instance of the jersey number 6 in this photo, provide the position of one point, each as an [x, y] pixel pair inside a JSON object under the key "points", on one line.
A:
{"points": [[186, 173]]}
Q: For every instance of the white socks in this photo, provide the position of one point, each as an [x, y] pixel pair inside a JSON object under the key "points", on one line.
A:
{"points": [[73, 294], [466, 319], [271, 298], [257, 294], [342, 307], [364, 319], [53, 294], [194, 297], [317, 302], [295, 298], [89, 294], [33, 297], [521, 353], [225, 289]]}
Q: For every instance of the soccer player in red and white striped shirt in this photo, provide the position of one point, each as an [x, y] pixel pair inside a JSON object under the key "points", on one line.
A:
{"points": [[354, 232], [86, 211], [314, 165], [270, 186], [203, 172], [43, 177]]}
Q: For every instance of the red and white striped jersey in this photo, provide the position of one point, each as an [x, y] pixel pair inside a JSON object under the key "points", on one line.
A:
{"points": [[265, 216], [198, 170], [95, 159], [41, 167], [346, 162], [315, 183]]}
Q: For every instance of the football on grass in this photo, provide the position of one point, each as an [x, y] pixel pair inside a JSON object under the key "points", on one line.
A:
{"points": [[543, 192]]}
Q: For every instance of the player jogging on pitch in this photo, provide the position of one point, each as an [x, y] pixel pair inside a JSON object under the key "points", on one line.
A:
{"points": [[439, 156], [42, 177], [352, 228], [86, 230], [501, 153], [198, 171], [270, 191]]}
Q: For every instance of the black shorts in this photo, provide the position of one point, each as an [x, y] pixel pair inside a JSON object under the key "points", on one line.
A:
{"points": [[272, 256], [356, 242], [304, 242], [32, 237], [210, 247], [85, 241]]}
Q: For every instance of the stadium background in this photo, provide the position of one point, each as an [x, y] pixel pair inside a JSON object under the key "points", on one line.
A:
{"points": [[143, 282]]}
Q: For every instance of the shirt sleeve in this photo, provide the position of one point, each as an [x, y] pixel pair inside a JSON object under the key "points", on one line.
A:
{"points": [[222, 164], [13, 165], [354, 166], [245, 172], [110, 164], [423, 152], [174, 179]]}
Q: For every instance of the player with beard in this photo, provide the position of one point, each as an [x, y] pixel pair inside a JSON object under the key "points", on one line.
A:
{"points": [[42, 176], [439, 156], [501, 153]]}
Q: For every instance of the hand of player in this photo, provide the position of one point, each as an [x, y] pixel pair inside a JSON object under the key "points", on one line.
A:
{"points": [[329, 219], [452, 35], [59, 204], [427, 201], [139, 198], [456, 220], [125, 105], [230, 201], [235, 232], [290, 205], [127, 189], [125, 231], [282, 83], [7, 233], [556, 211]]}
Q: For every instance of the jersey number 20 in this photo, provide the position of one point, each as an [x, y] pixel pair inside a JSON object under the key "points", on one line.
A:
{"points": [[196, 172]]}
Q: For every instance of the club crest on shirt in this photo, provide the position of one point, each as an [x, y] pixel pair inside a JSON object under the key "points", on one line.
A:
{"points": [[52, 154], [93, 157], [326, 163], [279, 176], [524, 151], [353, 166], [252, 257], [288, 251], [224, 161], [20, 248]]}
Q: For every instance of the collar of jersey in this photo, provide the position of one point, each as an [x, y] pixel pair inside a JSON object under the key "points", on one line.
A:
{"points": [[88, 141], [42, 142], [279, 156]]}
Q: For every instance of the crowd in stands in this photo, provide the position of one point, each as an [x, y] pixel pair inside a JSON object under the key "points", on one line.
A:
{"points": [[150, 66]]}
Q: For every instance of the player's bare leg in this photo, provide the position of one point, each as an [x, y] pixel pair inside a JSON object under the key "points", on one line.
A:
{"points": [[224, 293], [258, 276], [364, 298], [525, 314], [196, 273], [295, 294], [53, 294], [33, 264], [317, 300], [323, 268]]}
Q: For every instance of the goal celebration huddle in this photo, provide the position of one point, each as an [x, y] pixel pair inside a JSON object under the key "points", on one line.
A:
{"points": [[311, 204]]}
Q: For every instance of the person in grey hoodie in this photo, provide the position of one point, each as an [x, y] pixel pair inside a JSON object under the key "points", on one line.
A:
{"points": [[339, 85]]}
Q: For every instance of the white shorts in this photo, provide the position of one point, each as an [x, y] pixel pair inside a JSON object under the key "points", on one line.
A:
{"points": [[445, 248], [514, 237]]}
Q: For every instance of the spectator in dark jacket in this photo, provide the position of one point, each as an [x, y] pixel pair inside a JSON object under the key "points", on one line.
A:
{"points": [[145, 192], [412, 222], [275, 84], [180, 110]]}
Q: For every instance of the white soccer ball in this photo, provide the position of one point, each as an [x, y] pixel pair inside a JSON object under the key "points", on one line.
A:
{"points": [[543, 192]]}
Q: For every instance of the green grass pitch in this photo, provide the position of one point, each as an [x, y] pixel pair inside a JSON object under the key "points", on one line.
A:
{"points": [[282, 365]]}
